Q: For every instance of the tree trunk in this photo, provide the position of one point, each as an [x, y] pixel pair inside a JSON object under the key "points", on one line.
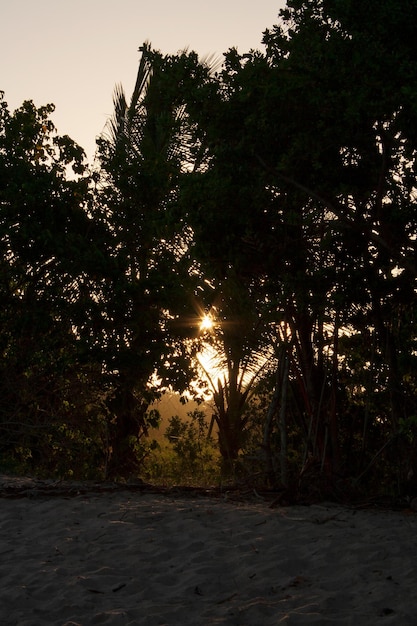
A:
{"points": [[283, 456], [125, 431], [270, 473]]}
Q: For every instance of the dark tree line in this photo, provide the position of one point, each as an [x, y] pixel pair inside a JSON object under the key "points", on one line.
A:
{"points": [[276, 191]]}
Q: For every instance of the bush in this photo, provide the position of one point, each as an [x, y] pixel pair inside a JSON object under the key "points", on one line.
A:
{"points": [[187, 456]]}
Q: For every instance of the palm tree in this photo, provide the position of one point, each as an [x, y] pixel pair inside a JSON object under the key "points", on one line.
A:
{"points": [[242, 355], [148, 145]]}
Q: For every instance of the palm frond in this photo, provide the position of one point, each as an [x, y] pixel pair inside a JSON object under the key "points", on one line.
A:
{"points": [[142, 81], [213, 62], [116, 124], [155, 126]]}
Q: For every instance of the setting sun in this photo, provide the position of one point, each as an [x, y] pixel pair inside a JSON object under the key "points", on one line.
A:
{"points": [[206, 323]]}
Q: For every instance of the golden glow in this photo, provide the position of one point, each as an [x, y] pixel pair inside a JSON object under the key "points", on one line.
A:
{"points": [[206, 323]]}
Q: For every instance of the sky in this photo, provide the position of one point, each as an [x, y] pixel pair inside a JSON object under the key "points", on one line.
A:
{"points": [[72, 53]]}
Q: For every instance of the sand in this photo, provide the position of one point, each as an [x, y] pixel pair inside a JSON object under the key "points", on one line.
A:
{"points": [[139, 558]]}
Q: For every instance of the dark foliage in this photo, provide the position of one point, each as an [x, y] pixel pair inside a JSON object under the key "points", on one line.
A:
{"points": [[276, 193]]}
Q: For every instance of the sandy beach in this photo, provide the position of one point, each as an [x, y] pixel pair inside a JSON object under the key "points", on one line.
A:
{"points": [[137, 558]]}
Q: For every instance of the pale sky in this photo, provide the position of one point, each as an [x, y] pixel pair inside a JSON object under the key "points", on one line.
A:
{"points": [[73, 52]]}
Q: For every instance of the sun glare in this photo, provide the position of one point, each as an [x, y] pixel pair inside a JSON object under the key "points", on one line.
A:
{"points": [[206, 323]]}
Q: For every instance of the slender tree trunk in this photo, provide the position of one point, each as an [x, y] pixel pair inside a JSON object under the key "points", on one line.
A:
{"points": [[283, 457], [268, 428], [333, 421], [369, 394]]}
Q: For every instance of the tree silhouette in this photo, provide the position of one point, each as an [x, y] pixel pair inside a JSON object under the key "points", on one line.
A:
{"points": [[148, 146], [47, 250]]}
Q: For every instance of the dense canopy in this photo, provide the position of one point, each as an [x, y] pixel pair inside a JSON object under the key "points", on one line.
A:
{"points": [[274, 192]]}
